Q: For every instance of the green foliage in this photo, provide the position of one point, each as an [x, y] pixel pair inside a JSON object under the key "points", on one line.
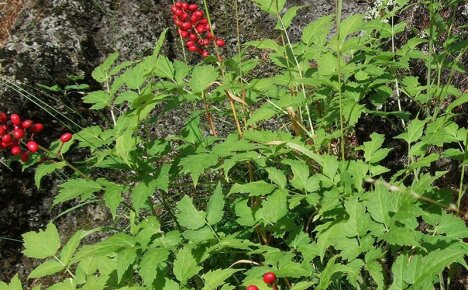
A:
{"points": [[286, 200]]}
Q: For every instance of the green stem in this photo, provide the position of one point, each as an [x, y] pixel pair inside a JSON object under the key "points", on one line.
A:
{"points": [[462, 178], [339, 6]]}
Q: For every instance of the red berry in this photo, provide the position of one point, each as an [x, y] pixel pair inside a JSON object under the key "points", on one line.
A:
{"points": [[200, 28], [204, 42], [185, 5], [173, 8], [190, 43], [205, 53], [66, 137], [36, 128], [269, 278], [193, 36], [7, 139], [25, 156], [192, 48], [193, 7], [32, 146], [204, 21], [220, 42], [186, 26], [209, 35], [199, 13], [18, 133], [178, 4], [3, 129], [183, 34], [16, 150], [179, 12], [15, 119], [3, 118], [27, 124], [194, 18], [251, 287], [184, 16]]}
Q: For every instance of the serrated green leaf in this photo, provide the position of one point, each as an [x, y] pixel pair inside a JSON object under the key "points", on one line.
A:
{"points": [[46, 168], [197, 164], [271, 7], [274, 207], [316, 32], [277, 176], [304, 285], [244, 213], [201, 235], [256, 188], [214, 279], [125, 258], [202, 77], [350, 25], [113, 197], [376, 272], [124, 144], [188, 216], [301, 173], [42, 244], [101, 73], [149, 264], [164, 67], [15, 284], [70, 247], [141, 192], [45, 269], [185, 265], [108, 246], [288, 17], [99, 99], [372, 149], [358, 220], [74, 188], [214, 209], [327, 64], [414, 131], [402, 236]]}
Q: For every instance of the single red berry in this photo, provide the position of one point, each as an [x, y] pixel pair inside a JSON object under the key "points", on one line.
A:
{"points": [[220, 42], [36, 128], [193, 7], [184, 16], [205, 53], [179, 12], [199, 13], [252, 287], [178, 4], [183, 34], [173, 8], [25, 156], [185, 5], [66, 137], [269, 278], [18, 133], [15, 119], [193, 36], [3, 129], [209, 35], [190, 43], [192, 48], [200, 28], [16, 150], [203, 21], [3, 118], [194, 18], [27, 124], [207, 27], [7, 139], [32, 146], [204, 42], [186, 26]]}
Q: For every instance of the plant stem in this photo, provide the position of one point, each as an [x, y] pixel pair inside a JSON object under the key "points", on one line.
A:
{"points": [[208, 115], [339, 6], [462, 178]]}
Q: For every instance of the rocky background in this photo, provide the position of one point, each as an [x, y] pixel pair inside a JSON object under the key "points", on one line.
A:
{"points": [[46, 41]]}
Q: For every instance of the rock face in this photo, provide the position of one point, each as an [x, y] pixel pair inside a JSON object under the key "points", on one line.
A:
{"points": [[53, 39]]}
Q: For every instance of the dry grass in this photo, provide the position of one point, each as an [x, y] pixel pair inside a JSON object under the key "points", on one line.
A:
{"points": [[9, 11]]}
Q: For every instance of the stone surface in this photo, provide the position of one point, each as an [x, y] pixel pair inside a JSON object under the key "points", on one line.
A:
{"points": [[53, 39]]}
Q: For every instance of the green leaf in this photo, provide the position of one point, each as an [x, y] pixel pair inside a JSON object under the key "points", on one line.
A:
{"points": [[414, 131], [124, 144], [214, 209], [160, 42], [149, 264], [113, 197], [188, 216], [201, 235], [271, 7], [376, 271], [277, 176], [256, 188], [316, 32], [372, 149], [74, 188], [304, 285], [202, 77], [44, 169], [185, 265], [214, 279], [197, 164], [301, 173], [265, 112], [70, 247], [288, 17], [108, 246], [402, 236], [358, 221], [141, 192], [101, 73], [125, 258], [263, 44], [15, 284], [164, 68], [42, 244], [99, 99], [170, 285], [350, 25], [327, 64], [244, 213], [326, 275], [274, 207], [47, 268]]}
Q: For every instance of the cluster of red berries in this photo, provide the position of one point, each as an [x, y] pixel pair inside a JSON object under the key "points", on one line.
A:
{"points": [[14, 132], [269, 278], [194, 28]]}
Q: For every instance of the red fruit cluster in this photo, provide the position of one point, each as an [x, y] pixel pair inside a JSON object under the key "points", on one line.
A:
{"points": [[269, 278], [194, 28], [14, 131]]}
